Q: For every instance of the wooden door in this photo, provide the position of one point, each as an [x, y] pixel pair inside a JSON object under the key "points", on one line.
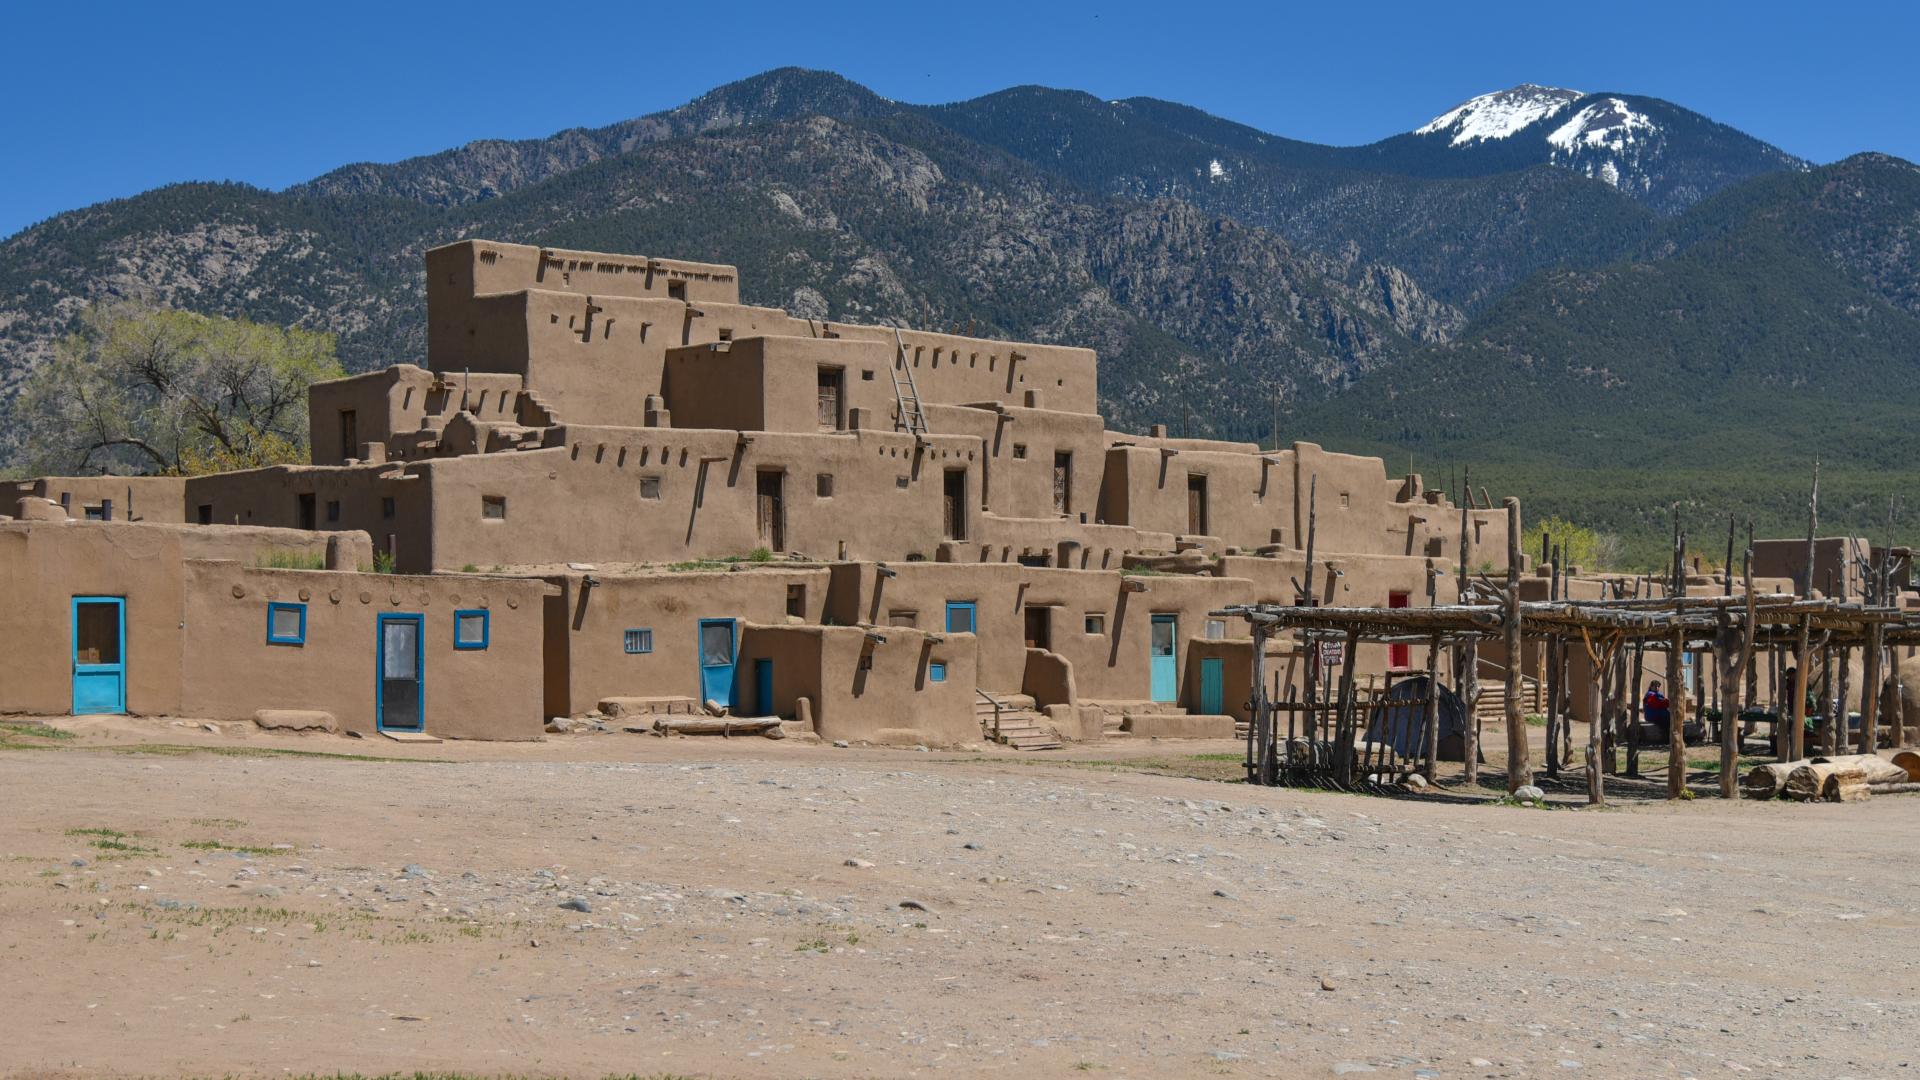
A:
{"points": [[832, 418], [1196, 506], [772, 511]]}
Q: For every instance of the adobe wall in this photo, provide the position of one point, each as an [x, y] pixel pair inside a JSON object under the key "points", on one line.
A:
{"points": [[1021, 445], [481, 267], [583, 500], [126, 498], [44, 565], [345, 498], [591, 663], [1831, 562], [231, 669], [396, 405], [863, 691], [955, 370]]}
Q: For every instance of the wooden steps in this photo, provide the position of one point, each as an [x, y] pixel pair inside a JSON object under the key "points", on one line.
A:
{"points": [[1021, 727]]}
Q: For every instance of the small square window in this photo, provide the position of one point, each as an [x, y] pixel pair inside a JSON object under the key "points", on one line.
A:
{"points": [[1020, 450], [1096, 622], [901, 617], [937, 671], [471, 629], [901, 482], [639, 641], [286, 624], [493, 507], [1216, 629], [386, 506], [650, 487], [1346, 500], [333, 509], [866, 376], [823, 485]]}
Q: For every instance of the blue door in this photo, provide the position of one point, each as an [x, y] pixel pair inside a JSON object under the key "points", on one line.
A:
{"points": [[99, 654], [400, 685], [960, 617], [716, 661], [1166, 669], [1213, 686], [763, 686]]}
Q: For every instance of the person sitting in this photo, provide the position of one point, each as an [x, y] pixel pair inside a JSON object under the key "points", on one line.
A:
{"points": [[1655, 710]]}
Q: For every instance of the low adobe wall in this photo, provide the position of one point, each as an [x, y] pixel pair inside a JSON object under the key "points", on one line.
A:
{"points": [[863, 691]]}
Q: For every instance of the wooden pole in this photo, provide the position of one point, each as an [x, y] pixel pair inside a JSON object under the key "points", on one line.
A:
{"points": [[1837, 738], [1676, 691], [1519, 769], [1469, 677], [1813, 526], [1551, 676], [1795, 742], [1260, 732], [1430, 758], [1870, 692], [1729, 720], [1598, 665], [1343, 722]]}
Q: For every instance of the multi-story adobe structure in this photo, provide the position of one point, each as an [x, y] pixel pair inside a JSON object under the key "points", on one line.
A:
{"points": [[616, 486]]}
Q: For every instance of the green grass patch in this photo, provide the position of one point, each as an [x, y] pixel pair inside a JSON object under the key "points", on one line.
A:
{"points": [[290, 559], [244, 849]]}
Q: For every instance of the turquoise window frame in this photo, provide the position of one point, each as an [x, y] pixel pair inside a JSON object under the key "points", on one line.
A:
{"points": [[937, 671], [486, 628], [274, 607]]}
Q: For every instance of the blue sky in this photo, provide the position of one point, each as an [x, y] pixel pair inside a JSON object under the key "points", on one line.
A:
{"points": [[109, 100]]}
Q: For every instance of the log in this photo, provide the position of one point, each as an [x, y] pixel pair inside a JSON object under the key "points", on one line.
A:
{"points": [[1806, 782], [1768, 781], [1846, 786], [1909, 761], [714, 725], [1876, 769]]}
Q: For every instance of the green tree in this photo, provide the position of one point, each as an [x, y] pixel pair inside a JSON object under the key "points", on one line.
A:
{"points": [[142, 389], [1586, 548]]}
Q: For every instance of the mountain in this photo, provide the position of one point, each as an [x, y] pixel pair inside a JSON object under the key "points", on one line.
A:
{"points": [[1773, 325], [1600, 299]]}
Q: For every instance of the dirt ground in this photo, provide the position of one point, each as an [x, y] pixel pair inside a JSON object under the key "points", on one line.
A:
{"points": [[179, 902]]}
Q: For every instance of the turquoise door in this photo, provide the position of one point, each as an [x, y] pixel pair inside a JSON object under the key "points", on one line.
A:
{"points": [[960, 617], [763, 686], [400, 686], [716, 661], [1166, 669], [1213, 686], [99, 654]]}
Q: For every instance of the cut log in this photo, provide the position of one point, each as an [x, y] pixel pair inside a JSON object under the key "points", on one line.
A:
{"points": [[1769, 781], [1910, 761], [1847, 785], [716, 725], [1806, 782], [1876, 769]]}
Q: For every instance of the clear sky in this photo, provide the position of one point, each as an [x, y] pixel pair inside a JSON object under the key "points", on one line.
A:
{"points": [[107, 100]]}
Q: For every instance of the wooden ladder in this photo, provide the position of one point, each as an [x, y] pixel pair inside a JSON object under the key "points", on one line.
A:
{"points": [[911, 419]]}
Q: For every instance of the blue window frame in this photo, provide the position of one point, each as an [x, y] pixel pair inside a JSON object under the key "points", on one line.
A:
{"points": [[472, 628], [960, 616], [286, 624], [937, 671], [639, 641]]}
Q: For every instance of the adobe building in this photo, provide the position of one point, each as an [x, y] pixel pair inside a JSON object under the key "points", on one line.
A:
{"points": [[615, 489]]}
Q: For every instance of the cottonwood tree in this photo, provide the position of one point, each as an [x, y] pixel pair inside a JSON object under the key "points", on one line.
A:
{"points": [[142, 389]]}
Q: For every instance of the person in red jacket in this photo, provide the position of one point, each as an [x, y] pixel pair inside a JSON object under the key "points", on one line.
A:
{"points": [[1655, 710]]}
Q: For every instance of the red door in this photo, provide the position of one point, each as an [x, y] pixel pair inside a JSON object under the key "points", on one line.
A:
{"points": [[1398, 656]]}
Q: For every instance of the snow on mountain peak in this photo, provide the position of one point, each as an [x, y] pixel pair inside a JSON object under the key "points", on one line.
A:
{"points": [[1499, 114], [1607, 124]]}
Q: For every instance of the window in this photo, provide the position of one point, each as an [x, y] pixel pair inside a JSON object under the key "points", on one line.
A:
{"points": [[1216, 629], [1062, 483], [349, 434], [97, 513], [286, 624], [639, 641], [677, 290], [493, 507], [1346, 500], [386, 506], [866, 375], [206, 513], [823, 485], [1020, 450], [1096, 622], [650, 487], [937, 671], [903, 617], [797, 600], [960, 617], [333, 509], [471, 629]]}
